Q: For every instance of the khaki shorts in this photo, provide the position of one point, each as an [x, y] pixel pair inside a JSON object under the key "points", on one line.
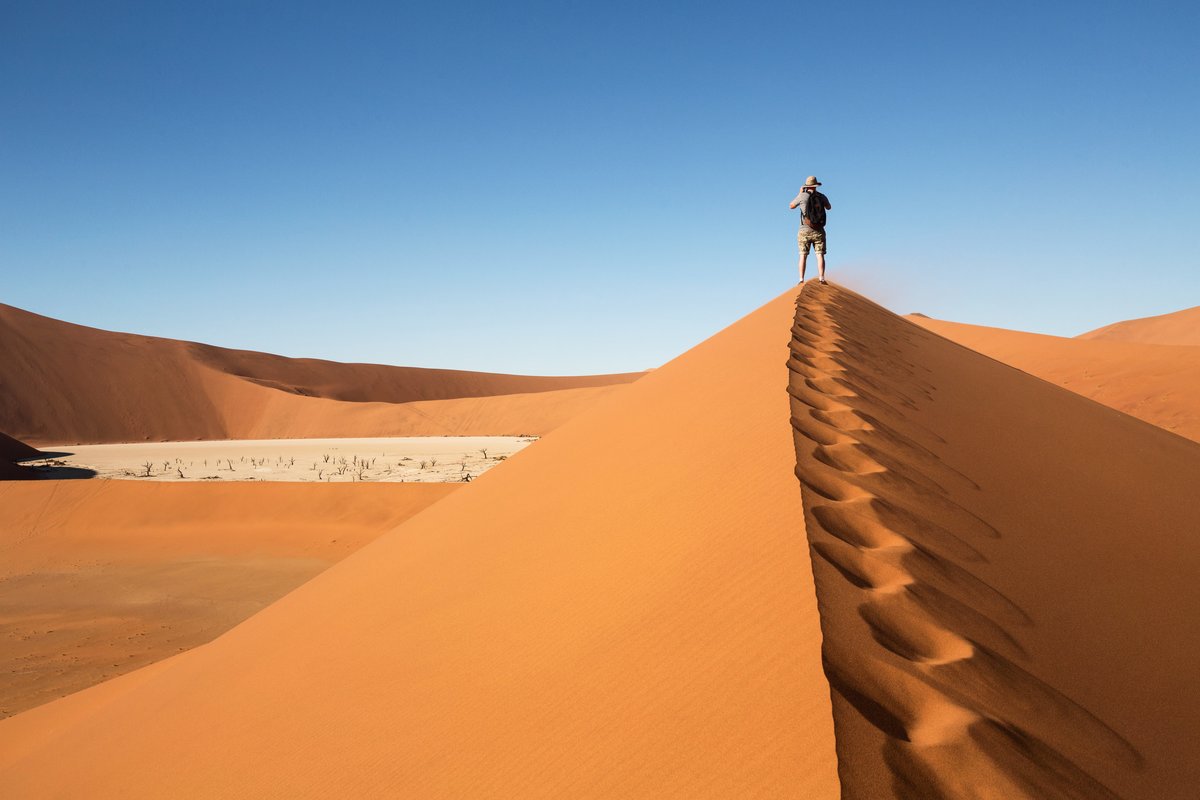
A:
{"points": [[809, 238]]}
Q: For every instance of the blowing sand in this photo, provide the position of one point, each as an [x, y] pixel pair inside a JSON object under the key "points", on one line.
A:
{"points": [[423, 459]]}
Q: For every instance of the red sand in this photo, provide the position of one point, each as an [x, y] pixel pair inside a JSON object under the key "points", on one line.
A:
{"points": [[1005, 571], [1157, 383], [71, 384], [982, 585], [1179, 327], [624, 610]]}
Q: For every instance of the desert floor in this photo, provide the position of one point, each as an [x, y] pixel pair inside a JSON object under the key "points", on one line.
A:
{"points": [[425, 459], [101, 577]]}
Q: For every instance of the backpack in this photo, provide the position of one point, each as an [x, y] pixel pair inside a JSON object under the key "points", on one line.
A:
{"points": [[814, 211]]}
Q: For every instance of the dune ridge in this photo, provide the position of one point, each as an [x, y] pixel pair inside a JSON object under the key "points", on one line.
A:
{"points": [[1154, 382], [614, 613], [65, 383], [945, 680], [1176, 328]]}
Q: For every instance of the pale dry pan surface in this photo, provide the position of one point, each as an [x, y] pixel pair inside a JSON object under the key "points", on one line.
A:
{"points": [[98, 578], [1006, 571], [388, 460], [1154, 382], [616, 613], [68, 383]]}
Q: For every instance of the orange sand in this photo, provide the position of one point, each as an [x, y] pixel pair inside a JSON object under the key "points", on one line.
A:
{"points": [[995, 601], [1005, 571], [625, 610], [102, 577], [68, 383], [1179, 327], [1157, 383]]}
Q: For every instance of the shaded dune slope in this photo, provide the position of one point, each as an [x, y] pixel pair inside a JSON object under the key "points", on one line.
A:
{"points": [[1157, 383], [12, 450], [625, 609], [1176, 328], [1005, 571], [68, 383]]}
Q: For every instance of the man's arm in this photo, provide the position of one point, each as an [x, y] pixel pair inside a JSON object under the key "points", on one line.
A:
{"points": [[828, 205], [796, 202]]}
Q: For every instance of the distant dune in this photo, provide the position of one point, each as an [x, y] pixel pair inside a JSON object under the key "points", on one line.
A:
{"points": [[66, 383], [1179, 327], [825, 553], [1157, 383]]}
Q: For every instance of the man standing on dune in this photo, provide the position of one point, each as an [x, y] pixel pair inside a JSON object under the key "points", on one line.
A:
{"points": [[812, 205]]}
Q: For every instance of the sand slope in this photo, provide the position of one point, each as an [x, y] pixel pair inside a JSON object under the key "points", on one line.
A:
{"points": [[99, 578], [624, 610], [12, 450], [68, 383], [1179, 327], [1004, 574], [1157, 383], [1006, 571]]}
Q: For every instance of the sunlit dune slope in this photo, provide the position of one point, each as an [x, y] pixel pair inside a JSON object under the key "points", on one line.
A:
{"points": [[624, 610], [68, 383], [1178, 327], [102, 577], [1157, 383], [1005, 570]]}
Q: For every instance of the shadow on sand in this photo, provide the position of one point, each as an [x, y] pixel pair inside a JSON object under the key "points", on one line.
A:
{"points": [[55, 472]]}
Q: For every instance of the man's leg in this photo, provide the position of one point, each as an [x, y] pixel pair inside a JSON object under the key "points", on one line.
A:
{"points": [[819, 246], [803, 263]]}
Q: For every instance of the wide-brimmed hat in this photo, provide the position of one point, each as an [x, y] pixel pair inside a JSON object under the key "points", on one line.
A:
{"points": [[811, 180]]}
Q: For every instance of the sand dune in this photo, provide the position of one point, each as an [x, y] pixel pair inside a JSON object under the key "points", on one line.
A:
{"points": [[1004, 571], [1157, 383], [1179, 328], [102, 577], [69, 383], [1004, 579], [624, 610]]}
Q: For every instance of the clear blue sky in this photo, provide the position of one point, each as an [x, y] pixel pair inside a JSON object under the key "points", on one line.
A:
{"points": [[567, 187]]}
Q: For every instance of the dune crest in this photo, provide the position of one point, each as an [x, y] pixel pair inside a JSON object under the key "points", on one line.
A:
{"points": [[1175, 328], [994, 601], [625, 609], [1153, 382], [945, 682]]}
